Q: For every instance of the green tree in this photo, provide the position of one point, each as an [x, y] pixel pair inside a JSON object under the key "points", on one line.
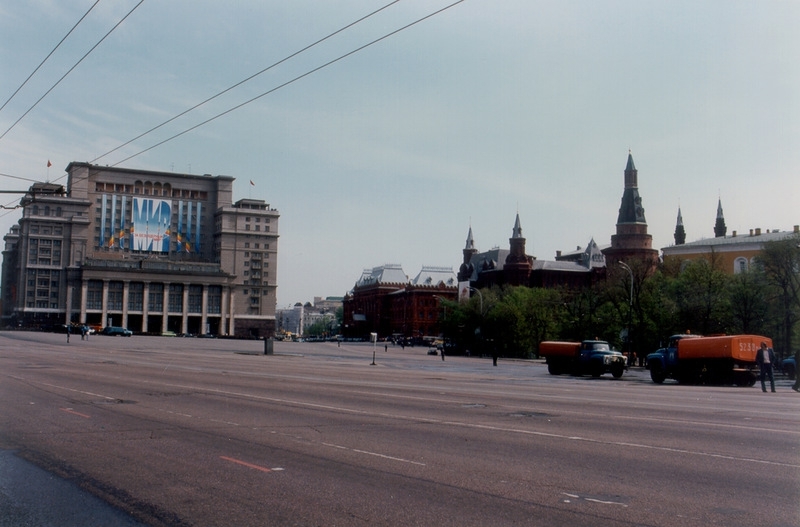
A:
{"points": [[748, 293], [700, 295], [780, 262]]}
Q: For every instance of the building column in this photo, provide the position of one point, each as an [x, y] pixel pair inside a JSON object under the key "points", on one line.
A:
{"points": [[145, 304], [232, 320], [185, 309], [84, 292], [223, 311], [68, 306], [125, 292], [105, 304], [165, 308], [204, 311]]}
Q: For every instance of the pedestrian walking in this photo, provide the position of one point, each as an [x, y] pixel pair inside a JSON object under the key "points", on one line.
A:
{"points": [[765, 358], [69, 330]]}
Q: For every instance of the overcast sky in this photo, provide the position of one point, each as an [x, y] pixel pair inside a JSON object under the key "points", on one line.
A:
{"points": [[484, 110]]}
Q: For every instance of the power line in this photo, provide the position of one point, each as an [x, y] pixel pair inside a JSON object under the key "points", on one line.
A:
{"points": [[287, 83], [72, 68], [20, 178], [48, 56], [226, 90]]}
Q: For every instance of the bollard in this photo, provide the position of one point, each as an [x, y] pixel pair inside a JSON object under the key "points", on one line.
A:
{"points": [[268, 346]]}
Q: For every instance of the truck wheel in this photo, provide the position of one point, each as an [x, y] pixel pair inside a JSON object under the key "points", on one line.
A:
{"points": [[617, 371], [656, 374]]}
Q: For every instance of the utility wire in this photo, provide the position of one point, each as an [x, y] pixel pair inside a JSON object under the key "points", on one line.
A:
{"points": [[20, 178], [226, 90], [70, 70], [48, 56], [287, 83]]}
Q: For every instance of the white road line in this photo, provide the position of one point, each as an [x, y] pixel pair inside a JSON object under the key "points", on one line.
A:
{"points": [[384, 456]]}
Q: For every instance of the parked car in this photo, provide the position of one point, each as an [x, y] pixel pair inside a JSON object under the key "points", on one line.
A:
{"points": [[789, 367], [116, 331]]}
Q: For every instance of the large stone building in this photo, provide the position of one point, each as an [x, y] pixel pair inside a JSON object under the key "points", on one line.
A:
{"points": [[152, 251], [733, 254], [497, 267], [574, 270], [386, 302]]}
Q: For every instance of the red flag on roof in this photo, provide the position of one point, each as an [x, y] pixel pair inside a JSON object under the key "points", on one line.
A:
{"points": [[49, 164]]}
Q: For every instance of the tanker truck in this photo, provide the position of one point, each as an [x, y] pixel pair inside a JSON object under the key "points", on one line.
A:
{"points": [[692, 359], [594, 357]]}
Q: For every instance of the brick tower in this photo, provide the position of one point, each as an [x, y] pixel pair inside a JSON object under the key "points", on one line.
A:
{"points": [[631, 242]]}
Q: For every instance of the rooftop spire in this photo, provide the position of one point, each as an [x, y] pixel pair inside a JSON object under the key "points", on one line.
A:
{"points": [[720, 230], [680, 232], [631, 210], [631, 174], [517, 233]]}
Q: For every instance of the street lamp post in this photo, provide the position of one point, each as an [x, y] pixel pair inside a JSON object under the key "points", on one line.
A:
{"points": [[480, 297], [630, 309]]}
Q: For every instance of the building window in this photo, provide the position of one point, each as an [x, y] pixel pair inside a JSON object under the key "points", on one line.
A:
{"points": [[195, 298], [214, 300], [740, 265], [94, 295], [115, 290], [176, 298], [136, 296], [155, 298]]}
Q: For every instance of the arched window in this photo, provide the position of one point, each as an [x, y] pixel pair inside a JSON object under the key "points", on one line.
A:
{"points": [[740, 265]]}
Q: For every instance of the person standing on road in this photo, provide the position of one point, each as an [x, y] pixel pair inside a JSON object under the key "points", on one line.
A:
{"points": [[765, 358], [69, 330]]}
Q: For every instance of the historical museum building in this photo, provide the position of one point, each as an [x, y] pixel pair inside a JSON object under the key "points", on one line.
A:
{"points": [[155, 252], [386, 302]]}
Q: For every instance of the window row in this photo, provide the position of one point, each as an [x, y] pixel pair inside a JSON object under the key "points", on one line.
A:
{"points": [[155, 297]]}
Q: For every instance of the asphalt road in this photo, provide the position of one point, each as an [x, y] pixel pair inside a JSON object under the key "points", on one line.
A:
{"points": [[211, 432]]}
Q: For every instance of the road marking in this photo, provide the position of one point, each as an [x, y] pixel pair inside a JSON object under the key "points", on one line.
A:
{"points": [[376, 454], [593, 500], [73, 412], [250, 465]]}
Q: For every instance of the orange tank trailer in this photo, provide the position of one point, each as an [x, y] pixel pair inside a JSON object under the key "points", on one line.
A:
{"points": [[550, 348], [737, 347]]}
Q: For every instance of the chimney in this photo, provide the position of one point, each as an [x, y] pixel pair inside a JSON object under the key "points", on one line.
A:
{"points": [[734, 234], [797, 229], [758, 231], [751, 232], [558, 254]]}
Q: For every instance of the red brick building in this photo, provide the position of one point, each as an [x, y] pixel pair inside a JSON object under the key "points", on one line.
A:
{"points": [[386, 302]]}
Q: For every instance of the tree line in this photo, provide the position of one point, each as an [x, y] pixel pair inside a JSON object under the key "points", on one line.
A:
{"points": [[638, 309]]}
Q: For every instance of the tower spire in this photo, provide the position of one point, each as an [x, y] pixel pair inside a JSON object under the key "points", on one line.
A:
{"points": [[680, 232], [720, 229]]}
